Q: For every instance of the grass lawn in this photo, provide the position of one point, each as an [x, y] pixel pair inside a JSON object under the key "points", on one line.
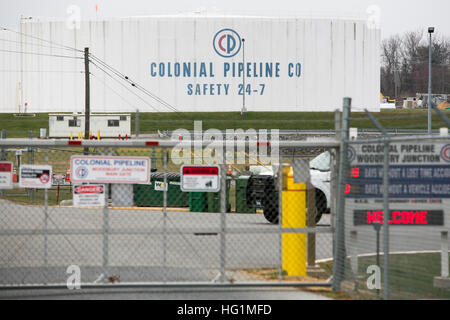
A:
{"points": [[410, 276], [152, 122]]}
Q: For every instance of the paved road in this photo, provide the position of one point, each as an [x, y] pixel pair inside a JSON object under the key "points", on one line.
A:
{"points": [[141, 246], [166, 294], [147, 246]]}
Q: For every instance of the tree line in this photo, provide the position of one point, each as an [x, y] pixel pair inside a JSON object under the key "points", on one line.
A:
{"points": [[404, 67]]}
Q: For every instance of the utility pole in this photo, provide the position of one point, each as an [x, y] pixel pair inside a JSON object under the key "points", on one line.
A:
{"points": [[430, 52], [87, 107]]}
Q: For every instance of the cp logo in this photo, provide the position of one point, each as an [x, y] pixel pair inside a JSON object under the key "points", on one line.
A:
{"points": [[445, 153], [82, 172], [227, 43]]}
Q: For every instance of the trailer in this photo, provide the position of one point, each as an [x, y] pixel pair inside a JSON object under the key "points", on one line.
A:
{"points": [[64, 125]]}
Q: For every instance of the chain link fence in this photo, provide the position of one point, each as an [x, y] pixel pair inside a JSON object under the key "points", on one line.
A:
{"points": [[269, 224], [392, 230]]}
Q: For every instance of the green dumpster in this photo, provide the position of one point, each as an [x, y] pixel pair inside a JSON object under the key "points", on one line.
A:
{"points": [[214, 199], [241, 190], [152, 195], [197, 202]]}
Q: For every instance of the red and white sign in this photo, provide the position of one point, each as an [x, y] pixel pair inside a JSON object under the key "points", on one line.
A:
{"points": [[110, 169], [200, 178], [35, 176], [89, 195], [6, 175]]}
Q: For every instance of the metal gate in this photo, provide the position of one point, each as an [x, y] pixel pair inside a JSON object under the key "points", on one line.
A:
{"points": [[154, 234]]}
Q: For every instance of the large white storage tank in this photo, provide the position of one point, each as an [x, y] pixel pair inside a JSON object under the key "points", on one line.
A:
{"points": [[194, 63]]}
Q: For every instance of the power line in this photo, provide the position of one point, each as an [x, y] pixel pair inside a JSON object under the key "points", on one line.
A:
{"points": [[136, 85], [40, 39], [32, 44], [40, 54], [123, 85], [110, 88], [44, 71], [126, 78]]}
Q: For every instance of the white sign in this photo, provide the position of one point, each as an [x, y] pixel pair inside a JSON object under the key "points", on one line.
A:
{"points": [[110, 169], [89, 195], [6, 175], [35, 176], [200, 178], [159, 186]]}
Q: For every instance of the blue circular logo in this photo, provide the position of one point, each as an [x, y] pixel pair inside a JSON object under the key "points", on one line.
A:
{"points": [[82, 172], [351, 154], [227, 43], [445, 153]]}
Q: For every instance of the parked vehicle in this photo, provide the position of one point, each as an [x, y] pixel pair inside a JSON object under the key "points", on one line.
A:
{"points": [[262, 190]]}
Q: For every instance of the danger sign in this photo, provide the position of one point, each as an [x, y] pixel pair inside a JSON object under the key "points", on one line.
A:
{"points": [[35, 176], [6, 175], [89, 195], [200, 179]]}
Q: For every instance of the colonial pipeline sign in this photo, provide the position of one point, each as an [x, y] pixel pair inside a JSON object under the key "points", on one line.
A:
{"points": [[110, 169]]}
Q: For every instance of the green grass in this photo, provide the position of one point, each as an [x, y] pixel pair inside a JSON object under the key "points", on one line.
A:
{"points": [[410, 276], [152, 122]]}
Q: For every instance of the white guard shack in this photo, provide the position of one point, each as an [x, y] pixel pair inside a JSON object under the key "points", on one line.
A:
{"points": [[61, 125]]}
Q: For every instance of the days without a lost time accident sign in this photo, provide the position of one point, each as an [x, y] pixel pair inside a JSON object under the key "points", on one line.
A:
{"points": [[419, 184], [35, 176], [110, 169], [200, 178]]}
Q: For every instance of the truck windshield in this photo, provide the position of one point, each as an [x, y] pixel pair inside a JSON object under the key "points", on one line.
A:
{"points": [[321, 162]]}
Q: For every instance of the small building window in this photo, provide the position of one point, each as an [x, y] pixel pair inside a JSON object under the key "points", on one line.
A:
{"points": [[113, 123], [74, 123], [123, 118], [59, 118]]}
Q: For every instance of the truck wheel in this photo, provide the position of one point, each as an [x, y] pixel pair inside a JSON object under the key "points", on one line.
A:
{"points": [[321, 204], [271, 215]]}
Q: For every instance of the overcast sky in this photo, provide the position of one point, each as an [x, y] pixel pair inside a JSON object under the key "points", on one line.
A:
{"points": [[396, 16]]}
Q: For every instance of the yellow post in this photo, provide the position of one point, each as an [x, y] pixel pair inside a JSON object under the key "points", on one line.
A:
{"points": [[294, 216], [98, 135], [71, 135]]}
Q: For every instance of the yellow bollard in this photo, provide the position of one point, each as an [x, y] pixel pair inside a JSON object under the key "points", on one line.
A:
{"points": [[98, 135], [294, 216], [71, 135]]}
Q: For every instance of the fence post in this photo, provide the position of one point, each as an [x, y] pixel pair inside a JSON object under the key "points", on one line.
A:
{"points": [[3, 154], [46, 218], [106, 223], [165, 188], [136, 124], [386, 218], [280, 217], [444, 254], [354, 256], [339, 254], [334, 185], [223, 210]]}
